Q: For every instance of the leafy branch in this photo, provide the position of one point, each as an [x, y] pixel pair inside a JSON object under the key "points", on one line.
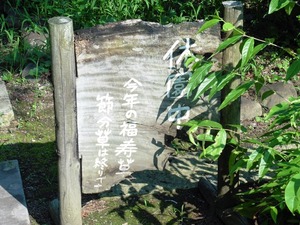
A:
{"points": [[237, 35], [277, 150]]}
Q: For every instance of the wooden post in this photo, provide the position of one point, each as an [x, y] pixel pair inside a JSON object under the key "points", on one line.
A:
{"points": [[231, 114], [64, 78]]}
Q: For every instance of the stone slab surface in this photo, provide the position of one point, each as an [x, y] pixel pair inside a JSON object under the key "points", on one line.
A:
{"points": [[131, 95], [6, 112], [13, 208], [250, 109], [182, 172], [282, 92]]}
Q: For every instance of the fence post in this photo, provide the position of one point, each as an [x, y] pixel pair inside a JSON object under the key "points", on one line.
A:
{"points": [[233, 13], [64, 78]]}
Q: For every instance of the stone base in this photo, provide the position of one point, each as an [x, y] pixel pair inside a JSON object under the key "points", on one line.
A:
{"points": [[13, 208]]}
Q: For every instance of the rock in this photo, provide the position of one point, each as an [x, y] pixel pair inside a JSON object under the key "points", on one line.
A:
{"points": [[250, 109], [6, 112], [35, 39], [145, 59], [26, 71], [13, 208], [54, 211], [282, 92]]}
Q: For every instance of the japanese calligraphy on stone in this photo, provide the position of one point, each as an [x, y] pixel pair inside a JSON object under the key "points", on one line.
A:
{"points": [[129, 97]]}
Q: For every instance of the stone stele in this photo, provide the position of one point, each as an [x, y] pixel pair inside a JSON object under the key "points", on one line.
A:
{"points": [[130, 95]]}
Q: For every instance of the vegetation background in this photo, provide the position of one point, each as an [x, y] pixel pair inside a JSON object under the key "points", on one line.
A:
{"points": [[19, 18]]}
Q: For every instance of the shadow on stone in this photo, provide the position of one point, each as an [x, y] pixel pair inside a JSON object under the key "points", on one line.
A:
{"points": [[13, 208]]}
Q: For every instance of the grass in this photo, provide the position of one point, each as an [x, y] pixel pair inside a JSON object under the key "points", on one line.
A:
{"points": [[163, 208], [18, 18], [30, 139], [134, 210]]}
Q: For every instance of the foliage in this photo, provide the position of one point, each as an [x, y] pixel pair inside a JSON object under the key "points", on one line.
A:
{"points": [[17, 52], [86, 13], [282, 27], [275, 153], [18, 17]]}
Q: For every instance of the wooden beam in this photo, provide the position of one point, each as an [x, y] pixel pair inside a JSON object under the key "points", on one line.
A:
{"points": [[64, 78]]}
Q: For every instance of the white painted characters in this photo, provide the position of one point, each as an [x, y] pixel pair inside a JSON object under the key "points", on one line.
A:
{"points": [[125, 151], [105, 107], [176, 83]]}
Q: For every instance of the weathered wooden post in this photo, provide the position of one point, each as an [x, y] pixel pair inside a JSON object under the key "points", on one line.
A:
{"points": [[64, 77], [233, 13]]}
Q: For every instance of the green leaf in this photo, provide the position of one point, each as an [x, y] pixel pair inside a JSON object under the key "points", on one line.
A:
{"points": [[198, 77], [228, 42], [196, 64], [228, 26], [275, 5], [274, 213], [233, 166], [288, 170], [190, 123], [234, 141], [202, 123], [258, 48], [253, 157], [264, 162], [289, 8], [189, 61], [191, 136], [207, 83], [222, 81], [214, 151], [293, 70], [269, 185], [237, 127], [205, 137], [220, 140], [260, 81], [266, 94], [247, 51], [208, 24], [210, 123], [236, 165], [279, 108], [235, 94], [292, 194]]}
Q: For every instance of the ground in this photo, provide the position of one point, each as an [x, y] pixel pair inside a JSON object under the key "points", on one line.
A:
{"points": [[31, 140], [180, 207]]}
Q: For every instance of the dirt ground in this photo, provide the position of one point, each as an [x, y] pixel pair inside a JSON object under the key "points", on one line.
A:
{"points": [[161, 207]]}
